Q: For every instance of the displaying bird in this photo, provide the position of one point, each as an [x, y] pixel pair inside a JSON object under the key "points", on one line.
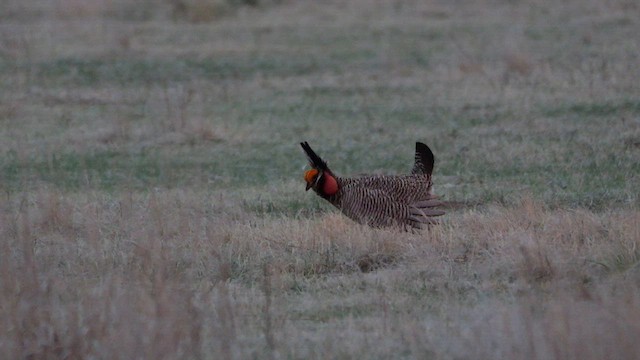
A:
{"points": [[403, 201]]}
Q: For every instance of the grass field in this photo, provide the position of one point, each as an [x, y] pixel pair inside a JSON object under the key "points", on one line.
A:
{"points": [[152, 202]]}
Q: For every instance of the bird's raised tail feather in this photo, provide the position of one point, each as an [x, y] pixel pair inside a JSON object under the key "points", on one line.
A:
{"points": [[424, 160], [314, 160]]}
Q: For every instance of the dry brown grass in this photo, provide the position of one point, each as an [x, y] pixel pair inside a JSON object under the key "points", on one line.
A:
{"points": [[161, 276]]}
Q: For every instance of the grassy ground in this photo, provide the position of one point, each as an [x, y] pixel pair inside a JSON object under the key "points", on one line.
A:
{"points": [[152, 198]]}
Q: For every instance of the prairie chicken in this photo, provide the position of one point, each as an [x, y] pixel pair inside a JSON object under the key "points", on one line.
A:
{"points": [[402, 201]]}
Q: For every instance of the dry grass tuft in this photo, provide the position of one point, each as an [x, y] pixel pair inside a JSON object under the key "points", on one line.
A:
{"points": [[592, 328], [154, 276], [519, 64]]}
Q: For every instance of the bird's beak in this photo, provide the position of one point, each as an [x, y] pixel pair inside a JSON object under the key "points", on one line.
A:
{"points": [[308, 187]]}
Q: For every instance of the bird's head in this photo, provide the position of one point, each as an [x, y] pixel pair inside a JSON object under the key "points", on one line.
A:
{"points": [[319, 177], [322, 182], [311, 176]]}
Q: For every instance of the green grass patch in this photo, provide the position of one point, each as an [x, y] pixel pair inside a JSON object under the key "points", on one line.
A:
{"points": [[596, 109], [101, 71]]}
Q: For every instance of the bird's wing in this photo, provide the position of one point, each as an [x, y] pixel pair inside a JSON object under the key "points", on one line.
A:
{"points": [[377, 208], [402, 188]]}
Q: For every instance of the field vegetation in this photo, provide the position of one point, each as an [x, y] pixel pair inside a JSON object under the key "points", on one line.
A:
{"points": [[152, 203]]}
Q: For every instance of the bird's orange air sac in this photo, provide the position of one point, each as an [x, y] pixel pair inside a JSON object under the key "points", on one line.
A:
{"points": [[310, 174], [330, 186]]}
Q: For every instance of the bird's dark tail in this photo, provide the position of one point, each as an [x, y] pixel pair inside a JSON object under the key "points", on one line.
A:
{"points": [[424, 160]]}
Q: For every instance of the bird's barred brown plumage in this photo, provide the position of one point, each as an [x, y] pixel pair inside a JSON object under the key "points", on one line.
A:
{"points": [[404, 201]]}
